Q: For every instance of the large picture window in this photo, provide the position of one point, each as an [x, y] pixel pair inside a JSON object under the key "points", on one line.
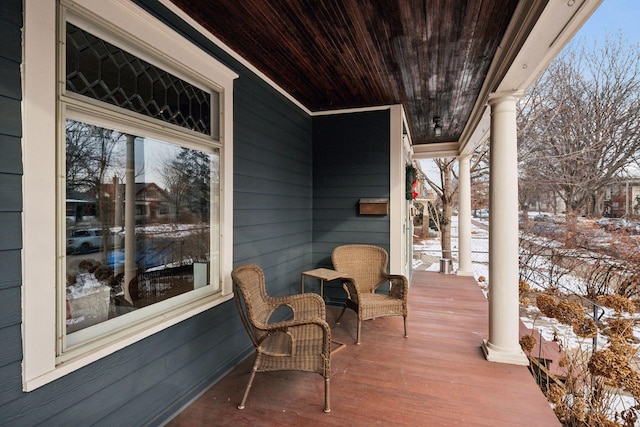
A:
{"points": [[127, 220], [138, 225]]}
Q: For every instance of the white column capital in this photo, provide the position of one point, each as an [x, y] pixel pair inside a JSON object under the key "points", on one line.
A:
{"points": [[464, 158], [505, 96]]}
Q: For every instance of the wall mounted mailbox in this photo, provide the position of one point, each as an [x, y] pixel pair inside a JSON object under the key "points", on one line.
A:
{"points": [[373, 207]]}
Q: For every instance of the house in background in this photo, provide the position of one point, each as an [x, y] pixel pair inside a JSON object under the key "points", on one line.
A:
{"points": [[621, 199], [300, 113]]}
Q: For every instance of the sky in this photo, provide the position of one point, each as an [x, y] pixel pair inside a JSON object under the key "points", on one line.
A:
{"points": [[613, 16]]}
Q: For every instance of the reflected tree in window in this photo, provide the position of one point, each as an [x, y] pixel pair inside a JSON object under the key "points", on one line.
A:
{"points": [[196, 173]]}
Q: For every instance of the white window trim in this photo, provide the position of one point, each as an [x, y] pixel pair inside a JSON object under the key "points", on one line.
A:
{"points": [[40, 124]]}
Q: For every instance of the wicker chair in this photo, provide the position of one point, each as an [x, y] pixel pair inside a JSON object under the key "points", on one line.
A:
{"points": [[302, 343], [365, 269]]}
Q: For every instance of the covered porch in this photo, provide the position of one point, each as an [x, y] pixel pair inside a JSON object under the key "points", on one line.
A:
{"points": [[436, 376]]}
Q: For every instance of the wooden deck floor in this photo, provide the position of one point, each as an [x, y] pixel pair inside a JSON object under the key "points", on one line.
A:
{"points": [[435, 377]]}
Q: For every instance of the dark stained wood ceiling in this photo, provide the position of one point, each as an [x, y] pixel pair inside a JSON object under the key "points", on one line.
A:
{"points": [[432, 56]]}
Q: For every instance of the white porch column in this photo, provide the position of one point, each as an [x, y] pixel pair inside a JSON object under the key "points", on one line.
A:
{"points": [[465, 267], [503, 343]]}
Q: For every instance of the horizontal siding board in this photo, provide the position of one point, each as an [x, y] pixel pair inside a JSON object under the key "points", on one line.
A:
{"points": [[11, 159], [10, 123], [295, 258], [338, 214], [256, 153], [335, 165], [267, 102], [331, 181], [352, 192], [11, 34], [10, 388], [270, 216], [10, 267], [248, 200], [264, 120], [271, 185], [271, 250], [11, 314], [11, 13], [367, 225], [10, 79], [10, 193], [274, 144], [11, 349], [270, 235], [10, 224]]}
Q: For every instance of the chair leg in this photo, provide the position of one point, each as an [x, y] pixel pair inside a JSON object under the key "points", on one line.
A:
{"points": [[405, 326], [341, 313], [246, 391], [326, 395], [358, 333]]}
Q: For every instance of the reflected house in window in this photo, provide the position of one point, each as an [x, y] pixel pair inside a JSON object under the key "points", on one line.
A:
{"points": [[151, 201]]}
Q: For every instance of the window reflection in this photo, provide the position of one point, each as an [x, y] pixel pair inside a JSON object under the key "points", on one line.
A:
{"points": [[139, 215]]}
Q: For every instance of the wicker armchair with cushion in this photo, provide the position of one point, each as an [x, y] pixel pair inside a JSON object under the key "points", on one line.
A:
{"points": [[302, 343], [365, 270]]}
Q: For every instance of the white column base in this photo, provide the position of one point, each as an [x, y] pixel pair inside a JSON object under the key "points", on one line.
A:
{"points": [[501, 355], [464, 273]]}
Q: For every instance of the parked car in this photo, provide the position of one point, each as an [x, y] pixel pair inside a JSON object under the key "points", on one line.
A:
{"points": [[482, 213], [90, 239], [548, 229]]}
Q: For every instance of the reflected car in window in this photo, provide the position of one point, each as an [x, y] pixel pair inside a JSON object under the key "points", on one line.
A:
{"points": [[90, 239]]}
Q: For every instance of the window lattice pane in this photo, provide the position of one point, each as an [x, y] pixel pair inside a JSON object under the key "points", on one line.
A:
{"points": [[105, 72]]}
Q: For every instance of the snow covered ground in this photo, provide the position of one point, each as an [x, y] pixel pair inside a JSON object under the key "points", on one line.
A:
{"points": [[427, 252]]}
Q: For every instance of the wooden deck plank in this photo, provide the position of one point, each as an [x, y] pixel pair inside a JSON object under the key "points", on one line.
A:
{"points": [[436, 376]]}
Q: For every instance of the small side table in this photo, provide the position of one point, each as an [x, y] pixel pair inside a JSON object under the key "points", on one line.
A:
{"points": [[323, 274]]}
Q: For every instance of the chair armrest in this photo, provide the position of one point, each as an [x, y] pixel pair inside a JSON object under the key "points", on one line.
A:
{"points": [[399, 286], [349, 285], [287, 325], [287, 329], [304, 306]]}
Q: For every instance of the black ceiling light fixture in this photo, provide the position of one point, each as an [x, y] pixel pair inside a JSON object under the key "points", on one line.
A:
{"points": [[437, 126]]}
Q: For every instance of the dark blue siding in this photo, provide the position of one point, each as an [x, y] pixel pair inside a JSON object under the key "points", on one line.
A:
{"points": [[272, 186], [149, 381], [10, 204], [350, 162]]}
